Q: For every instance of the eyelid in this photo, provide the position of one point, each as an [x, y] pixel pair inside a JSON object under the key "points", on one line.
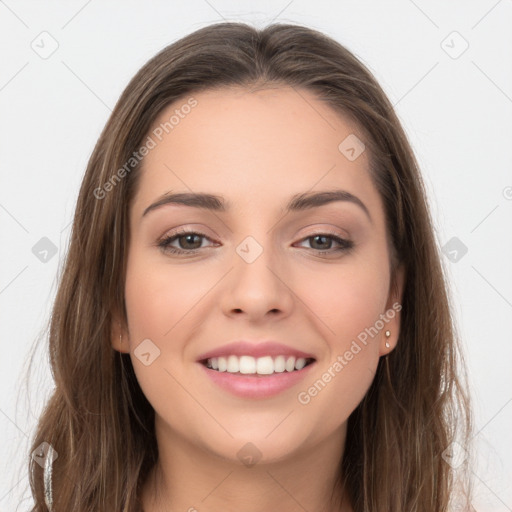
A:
{"points": [[344, 245], [324, 228], [188, 229]]}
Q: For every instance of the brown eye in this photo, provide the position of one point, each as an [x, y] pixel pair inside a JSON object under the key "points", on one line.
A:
{"points": [[189, 242], [323, 242]]}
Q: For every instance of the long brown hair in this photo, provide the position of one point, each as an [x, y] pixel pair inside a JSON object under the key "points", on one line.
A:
{"points": [[99, 421]]}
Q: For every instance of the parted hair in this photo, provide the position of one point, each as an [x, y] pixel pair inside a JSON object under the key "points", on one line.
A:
{"points": [[97, 417]]}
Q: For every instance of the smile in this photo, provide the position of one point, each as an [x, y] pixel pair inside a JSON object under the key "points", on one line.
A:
{"points": [[256, 378], [266, 365]]}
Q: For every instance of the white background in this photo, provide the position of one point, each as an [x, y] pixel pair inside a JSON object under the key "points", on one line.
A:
{"points": [[456, 111]]}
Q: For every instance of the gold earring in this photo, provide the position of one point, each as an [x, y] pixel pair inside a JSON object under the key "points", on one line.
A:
{"points": [[388, 334]]}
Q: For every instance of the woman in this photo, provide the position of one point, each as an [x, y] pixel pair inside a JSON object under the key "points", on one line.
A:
{"points": [[253, 312]]}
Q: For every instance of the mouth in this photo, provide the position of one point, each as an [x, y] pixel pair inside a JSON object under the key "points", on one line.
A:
{"points": [[263, 377], [249, 366]]}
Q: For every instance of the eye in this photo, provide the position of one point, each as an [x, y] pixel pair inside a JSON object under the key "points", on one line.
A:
{"points": [[189, 240], [190, 243], [321, 240]]}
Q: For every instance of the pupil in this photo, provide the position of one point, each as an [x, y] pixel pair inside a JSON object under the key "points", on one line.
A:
{"points": [[188, 239], [322, 238]]}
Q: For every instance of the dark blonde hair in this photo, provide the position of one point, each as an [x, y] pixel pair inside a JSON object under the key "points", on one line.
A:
{"points": [[98, 419]]}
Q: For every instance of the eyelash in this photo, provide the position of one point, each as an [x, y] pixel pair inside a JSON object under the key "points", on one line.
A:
{"points": [[164, 244]]}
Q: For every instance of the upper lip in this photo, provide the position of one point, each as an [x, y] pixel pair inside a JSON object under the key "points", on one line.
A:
{"points": [[254, 349]]}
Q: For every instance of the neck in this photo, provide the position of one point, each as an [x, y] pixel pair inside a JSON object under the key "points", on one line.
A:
{"points": [[190, 478]]}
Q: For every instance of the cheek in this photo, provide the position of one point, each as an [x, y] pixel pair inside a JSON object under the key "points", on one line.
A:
{"points": [[326, 401], [160, 301], [346, 300], [158, 306], [162, 307]]}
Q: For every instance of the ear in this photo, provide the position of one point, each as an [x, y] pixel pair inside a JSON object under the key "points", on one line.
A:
{"points": [[119, 335], [392, 313]]}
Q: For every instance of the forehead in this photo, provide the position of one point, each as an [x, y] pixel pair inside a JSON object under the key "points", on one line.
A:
{"points": [[268, 144]]}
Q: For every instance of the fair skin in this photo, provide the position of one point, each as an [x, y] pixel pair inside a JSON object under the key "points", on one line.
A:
{"points": [[255, 149]]}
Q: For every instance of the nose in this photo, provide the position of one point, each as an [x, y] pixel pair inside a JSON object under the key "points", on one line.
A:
{"points": [[257, 288]]}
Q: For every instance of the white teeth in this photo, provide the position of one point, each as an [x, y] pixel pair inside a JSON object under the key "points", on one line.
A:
{"points": [[266, 365], [290, 364], [300, 363], [223, 364], [233, 366], [279, 363], [247, 364]]}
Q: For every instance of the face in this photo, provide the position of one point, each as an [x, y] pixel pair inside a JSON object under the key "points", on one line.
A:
{"points": [[249, 265]]}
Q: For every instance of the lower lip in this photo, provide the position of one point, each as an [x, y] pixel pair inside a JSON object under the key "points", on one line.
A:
{"points": [[254, 385]]}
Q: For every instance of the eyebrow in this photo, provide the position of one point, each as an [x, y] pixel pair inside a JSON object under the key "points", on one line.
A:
{"points": [[297, 202]]}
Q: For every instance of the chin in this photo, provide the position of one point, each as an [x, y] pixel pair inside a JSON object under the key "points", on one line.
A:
{"points": [[253, 448]]}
